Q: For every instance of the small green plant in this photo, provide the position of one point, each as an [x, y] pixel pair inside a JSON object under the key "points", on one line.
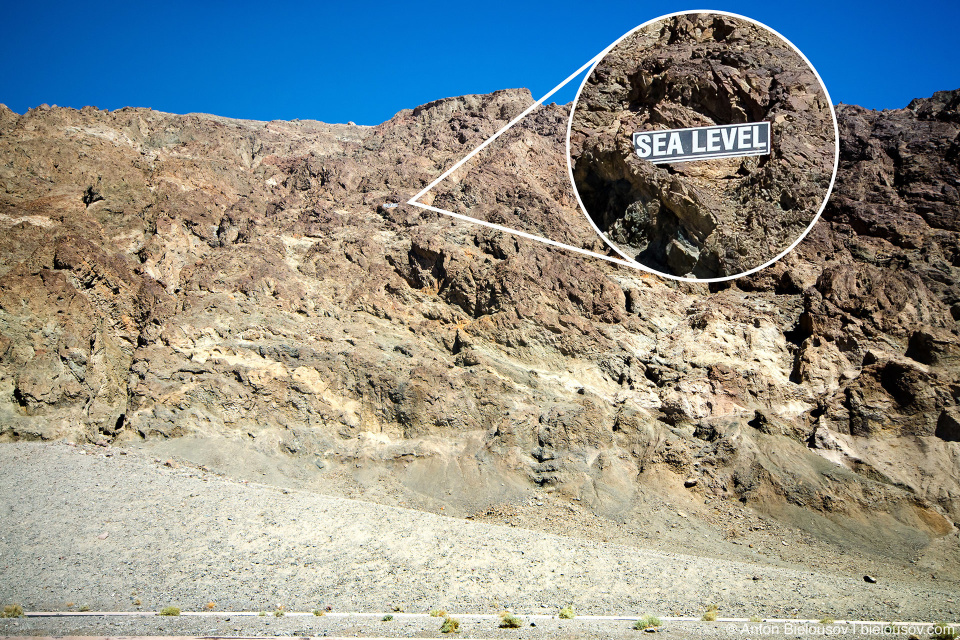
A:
{"points": [[84, 607], [318, 612], [943, 631], [12, 611], [387, 618], [827, 620], [170, 611], [567, 613], [647, 622], [438, 613], [756, 619], [711, 613], [279, 612], [262, 614], [510, 621], [449, 625]]}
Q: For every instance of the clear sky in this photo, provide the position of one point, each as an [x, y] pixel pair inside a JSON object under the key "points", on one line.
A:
{"points": [[363, 62]]}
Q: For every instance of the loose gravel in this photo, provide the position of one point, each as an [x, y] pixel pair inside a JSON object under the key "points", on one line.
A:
{"points": [[108, 530]]}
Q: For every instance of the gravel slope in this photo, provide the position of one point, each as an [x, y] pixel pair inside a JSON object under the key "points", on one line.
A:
{"points": [[118, 531]]}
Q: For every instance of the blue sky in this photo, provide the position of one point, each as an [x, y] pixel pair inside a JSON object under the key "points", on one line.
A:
{"points": [[366, 61]]}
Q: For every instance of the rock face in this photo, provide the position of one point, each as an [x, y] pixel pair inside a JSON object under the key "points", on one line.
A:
{"points": [[263, 283], [707, 218]]}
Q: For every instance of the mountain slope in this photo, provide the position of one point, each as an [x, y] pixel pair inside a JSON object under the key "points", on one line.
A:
{"points": [[253, 283]]}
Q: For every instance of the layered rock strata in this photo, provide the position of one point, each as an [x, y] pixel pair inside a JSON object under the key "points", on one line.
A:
{"points": [[264, 283]]}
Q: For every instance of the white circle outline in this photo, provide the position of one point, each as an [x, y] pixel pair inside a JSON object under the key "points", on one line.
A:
{"points": [[826, 197]]}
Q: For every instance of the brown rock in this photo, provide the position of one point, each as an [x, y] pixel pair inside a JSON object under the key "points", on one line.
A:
{"points": [[242, 279], [711, 218]]}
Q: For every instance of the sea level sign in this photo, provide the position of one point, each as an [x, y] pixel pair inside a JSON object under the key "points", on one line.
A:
{"points": [[702, 143]]}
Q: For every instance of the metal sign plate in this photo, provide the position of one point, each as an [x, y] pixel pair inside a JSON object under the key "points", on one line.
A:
{"points": [[703, 143]]}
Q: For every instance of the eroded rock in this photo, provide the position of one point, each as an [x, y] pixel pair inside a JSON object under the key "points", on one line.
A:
{"points": [[245, 281]]}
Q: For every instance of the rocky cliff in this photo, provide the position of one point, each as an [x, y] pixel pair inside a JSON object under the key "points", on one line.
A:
{"points": [[263, 284], [707, 219]]}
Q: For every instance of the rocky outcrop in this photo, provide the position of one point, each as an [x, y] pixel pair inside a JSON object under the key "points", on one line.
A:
{"points": [[713, 218], [165, 276]]}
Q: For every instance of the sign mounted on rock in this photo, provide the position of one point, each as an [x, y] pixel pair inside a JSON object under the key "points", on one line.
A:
{"points": [[702, 143], [690, 221]]}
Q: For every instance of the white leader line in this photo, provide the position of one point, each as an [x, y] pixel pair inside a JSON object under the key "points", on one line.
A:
{"points": [[627, 260], [524, 234], [483, 145]]}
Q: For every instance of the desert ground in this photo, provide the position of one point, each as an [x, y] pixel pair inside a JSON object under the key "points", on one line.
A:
{"points": [[109, 529]]}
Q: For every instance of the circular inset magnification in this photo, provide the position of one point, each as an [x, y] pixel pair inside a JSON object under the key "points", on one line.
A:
{"points": [[703, 146]]}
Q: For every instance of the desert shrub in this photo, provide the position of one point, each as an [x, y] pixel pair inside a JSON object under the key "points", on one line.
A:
{"points": [[449, 625], [711, 613], [756, 619], [170, 611], [387, 618], [943, 631], [318, 612], [438, 613], [647, 622], [12, 611], [510, 621], [827, 620], [567, 612], [279, 612]]}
